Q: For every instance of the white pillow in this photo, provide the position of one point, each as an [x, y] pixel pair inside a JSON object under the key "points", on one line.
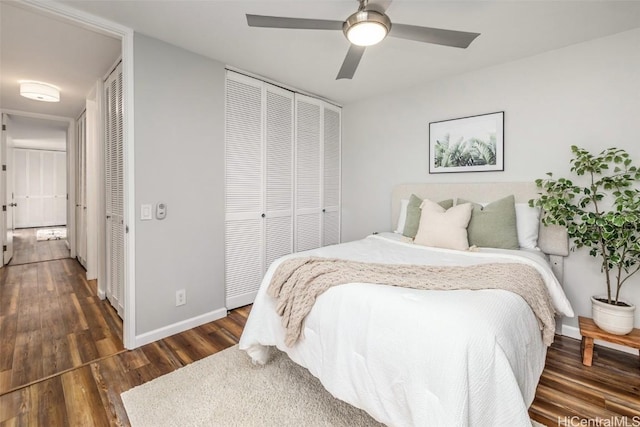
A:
{"points": [[403, 216], [528, 224], [442, 228]]}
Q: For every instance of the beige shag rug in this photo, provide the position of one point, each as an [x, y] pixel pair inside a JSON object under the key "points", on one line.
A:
{"points": [[226, 389]]}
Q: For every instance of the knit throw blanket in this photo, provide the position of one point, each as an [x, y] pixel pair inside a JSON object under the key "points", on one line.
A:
{"points": [[297, 282]]}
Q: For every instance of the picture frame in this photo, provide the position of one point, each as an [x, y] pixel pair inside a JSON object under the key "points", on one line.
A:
{"points": [[467, 144]]}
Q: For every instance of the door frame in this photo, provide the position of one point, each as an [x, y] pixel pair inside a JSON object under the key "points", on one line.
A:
{"points": [[70, 169], [126, 35], [4, 193]]}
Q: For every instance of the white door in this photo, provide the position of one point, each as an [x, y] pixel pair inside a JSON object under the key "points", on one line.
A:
{"points": [[331, 176], [48, 165], [60, 188], [244, 245], [308, 173], [278, 179], [8, 195], [114, 190], [21, 187], [40, 187], [34, 199]]}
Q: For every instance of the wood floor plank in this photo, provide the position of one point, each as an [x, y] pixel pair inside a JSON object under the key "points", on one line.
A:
{"points": [[52, 409], [82, 398], [111, 382], [57, 356], [9, 290], [27, 358], [8, 334]]}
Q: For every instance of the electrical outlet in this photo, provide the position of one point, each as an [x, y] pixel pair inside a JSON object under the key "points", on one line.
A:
{"points": [[181, 297]]}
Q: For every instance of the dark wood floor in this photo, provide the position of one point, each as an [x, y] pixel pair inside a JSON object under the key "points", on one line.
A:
{"points": [[51, 320], [27, 249], [90, 395], [569, 392], [67, 337]]}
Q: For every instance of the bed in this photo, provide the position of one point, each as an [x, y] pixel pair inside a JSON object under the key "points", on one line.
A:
{"points": [[422, 357]]}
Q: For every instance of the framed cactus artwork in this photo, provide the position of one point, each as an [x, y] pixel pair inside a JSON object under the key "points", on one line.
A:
{"points": [[467, 144]]}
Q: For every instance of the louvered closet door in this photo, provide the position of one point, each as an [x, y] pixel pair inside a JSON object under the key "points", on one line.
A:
{"points": [[114, 168], [308, 173], [60, 188], [48, 163], [35, 206], [278, 188], [331, 176], [244, 247]]}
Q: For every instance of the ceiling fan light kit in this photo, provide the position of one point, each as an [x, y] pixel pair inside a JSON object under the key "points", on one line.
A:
{"points": [[39, 91], [366, 27]]}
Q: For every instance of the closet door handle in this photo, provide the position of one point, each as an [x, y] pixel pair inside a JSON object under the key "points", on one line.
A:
{"points": [[263, 215], [324, 210]]}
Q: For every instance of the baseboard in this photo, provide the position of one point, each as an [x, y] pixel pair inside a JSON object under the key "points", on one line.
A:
{"points": [[101, 294], [573, 332], [176, 328]]}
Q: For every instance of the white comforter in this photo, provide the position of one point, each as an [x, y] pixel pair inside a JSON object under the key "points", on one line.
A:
{"points": [[415, 357]]}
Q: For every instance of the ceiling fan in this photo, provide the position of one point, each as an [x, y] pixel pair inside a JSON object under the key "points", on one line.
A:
{"points": [[366, 27]]}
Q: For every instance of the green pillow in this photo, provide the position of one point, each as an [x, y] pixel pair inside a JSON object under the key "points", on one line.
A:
{"points": [[493, 226], [414, 212]]}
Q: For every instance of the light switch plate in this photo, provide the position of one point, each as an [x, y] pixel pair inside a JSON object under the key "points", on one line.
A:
{"points": [[146, 212]]}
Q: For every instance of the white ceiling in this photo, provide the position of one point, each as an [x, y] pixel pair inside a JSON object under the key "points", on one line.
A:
{"points": [[310, 59], [38, 47], [34, 46]]}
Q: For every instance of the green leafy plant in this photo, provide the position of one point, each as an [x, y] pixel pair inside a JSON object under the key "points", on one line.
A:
{"points": [[602, 215]]}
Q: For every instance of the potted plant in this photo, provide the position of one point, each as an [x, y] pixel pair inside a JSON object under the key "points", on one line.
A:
{"points": [[602, 213]]}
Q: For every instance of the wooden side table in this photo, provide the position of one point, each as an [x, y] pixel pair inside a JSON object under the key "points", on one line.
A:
{"points": [[590, 331]]}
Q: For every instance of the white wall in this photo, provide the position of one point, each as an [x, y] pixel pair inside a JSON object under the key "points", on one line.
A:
{"points": [[586, 94], [179, 147]]}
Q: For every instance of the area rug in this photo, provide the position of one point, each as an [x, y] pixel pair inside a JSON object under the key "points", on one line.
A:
{"points": [[51, 234], [226, 389]]}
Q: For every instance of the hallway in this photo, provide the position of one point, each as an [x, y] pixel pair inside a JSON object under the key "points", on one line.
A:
{"points": [[51, 320], [27, 249]]}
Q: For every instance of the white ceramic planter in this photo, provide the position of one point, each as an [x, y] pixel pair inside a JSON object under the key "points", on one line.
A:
{"points": [[614, 319]]}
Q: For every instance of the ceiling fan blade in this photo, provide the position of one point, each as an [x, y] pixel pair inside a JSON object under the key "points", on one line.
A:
{"points": [[451, 38], [295, 23], [351, 61]]}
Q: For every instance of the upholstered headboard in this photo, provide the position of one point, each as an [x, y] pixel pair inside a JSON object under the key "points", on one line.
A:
{"points": [[552, 240]]}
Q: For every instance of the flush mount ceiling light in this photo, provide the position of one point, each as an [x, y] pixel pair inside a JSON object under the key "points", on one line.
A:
{"points": [[366, 27], [39, 91]]}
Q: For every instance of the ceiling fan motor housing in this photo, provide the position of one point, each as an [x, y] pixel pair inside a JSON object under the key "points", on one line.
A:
{"points": [[366, 27]]}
